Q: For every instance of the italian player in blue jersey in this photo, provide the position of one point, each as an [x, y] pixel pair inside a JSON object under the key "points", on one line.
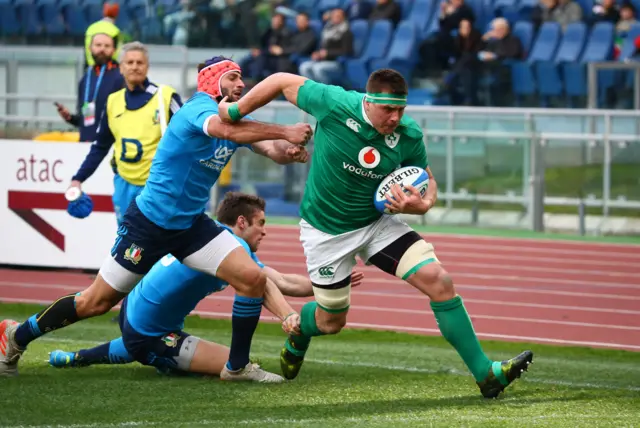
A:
{"points": [[153, 314], [168, 217]]}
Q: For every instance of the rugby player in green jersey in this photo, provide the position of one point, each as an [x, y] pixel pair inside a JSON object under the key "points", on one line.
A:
{"points": [[360, 139]]}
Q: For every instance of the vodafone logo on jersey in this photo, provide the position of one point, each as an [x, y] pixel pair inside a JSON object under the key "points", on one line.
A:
{"points": [[369, 157]]}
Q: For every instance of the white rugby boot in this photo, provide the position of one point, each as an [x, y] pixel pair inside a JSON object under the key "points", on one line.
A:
{"points": [[10, 352], [251, 372]]}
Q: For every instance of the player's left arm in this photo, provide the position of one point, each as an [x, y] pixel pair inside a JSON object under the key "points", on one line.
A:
{"points": [[281, 151]]}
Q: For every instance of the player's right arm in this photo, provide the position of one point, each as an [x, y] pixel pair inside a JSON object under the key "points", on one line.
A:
{"points": [[315, 98], [97, 153]]}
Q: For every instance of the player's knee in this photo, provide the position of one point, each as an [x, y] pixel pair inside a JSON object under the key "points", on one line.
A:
{"points": [[92, 305], [253, 283], [332, 323], [436, 282]]}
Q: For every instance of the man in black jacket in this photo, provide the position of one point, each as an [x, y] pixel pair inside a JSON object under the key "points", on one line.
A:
{"points": [[300, 45], [336, 41]]}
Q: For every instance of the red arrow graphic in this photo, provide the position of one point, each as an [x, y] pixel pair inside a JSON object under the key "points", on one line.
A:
{"points": [[24, 203]]}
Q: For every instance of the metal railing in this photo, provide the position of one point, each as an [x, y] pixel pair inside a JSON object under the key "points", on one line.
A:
{"points": [[467, 145]]}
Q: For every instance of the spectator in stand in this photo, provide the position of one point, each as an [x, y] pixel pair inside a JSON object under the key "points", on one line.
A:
{"points": [[386, 9], [300, 45], [105, 26], [606, 11], [181, 20], [627, 19], [500, 45], [467, 44], [336, 40], [436, 49], [359, 9], [542, 12], [96, 85], [564, 13], [263, 61]]}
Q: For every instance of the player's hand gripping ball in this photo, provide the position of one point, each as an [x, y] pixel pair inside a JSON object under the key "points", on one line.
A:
{"points": [[411, 176], [80, 204]]}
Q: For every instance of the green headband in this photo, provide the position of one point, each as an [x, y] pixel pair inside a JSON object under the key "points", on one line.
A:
{"points": [[382, 98]]}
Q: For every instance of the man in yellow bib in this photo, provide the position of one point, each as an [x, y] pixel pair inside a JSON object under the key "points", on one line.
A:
{"points": [[133, 123]]}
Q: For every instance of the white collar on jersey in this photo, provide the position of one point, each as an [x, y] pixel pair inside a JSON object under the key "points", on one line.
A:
{"points": [[364, 114]]}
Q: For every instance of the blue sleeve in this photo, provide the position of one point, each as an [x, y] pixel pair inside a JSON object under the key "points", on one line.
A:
{"points": [[200, 109], [99, 150]]}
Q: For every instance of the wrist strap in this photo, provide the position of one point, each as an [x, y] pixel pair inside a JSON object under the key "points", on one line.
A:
{"points": [[234, 112], [292, 313]]}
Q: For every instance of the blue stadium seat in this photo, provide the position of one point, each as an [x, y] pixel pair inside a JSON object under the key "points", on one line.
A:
{"points": [[137, 10], [360, 30], [544, 49], [548, 73], [406, 6], [74, 18], [326, 5], [51, 15], [9, 22], [402, 52], [92, 10], [28, 16], [151, 29], [523, 30], [599, 48], [421, 13], [356, 69]]}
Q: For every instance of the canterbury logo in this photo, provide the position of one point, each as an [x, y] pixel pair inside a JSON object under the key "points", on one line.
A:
{"points": [[326, 271]]}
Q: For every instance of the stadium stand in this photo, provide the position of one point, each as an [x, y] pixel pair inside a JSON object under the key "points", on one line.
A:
{"points": [[539, 79]]}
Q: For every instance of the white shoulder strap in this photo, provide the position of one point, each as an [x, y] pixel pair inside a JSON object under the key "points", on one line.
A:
{"points": [[162, 112]]}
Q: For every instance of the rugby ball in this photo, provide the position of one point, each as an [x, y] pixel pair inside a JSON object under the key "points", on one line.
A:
{"points": [[408, 175]]}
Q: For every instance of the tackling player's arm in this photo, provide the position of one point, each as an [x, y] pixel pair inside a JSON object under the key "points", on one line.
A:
{"points": [[251, 131], [281, 151], [98, 151], [290, 284]]}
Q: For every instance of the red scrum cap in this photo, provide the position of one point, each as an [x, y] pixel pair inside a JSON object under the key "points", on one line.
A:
{"points": [[211, 74]]}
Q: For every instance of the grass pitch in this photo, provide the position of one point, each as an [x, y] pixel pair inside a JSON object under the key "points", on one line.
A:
{"points": [[356, 379]]}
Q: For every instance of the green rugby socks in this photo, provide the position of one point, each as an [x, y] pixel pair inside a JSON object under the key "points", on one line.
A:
{"points": [[298, 344], [455, 325]]}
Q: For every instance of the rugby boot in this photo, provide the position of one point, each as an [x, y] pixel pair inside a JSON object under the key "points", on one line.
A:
{"points": [[509, 371], [62, 359], [290, 362], [10, 352], [251, 372]]}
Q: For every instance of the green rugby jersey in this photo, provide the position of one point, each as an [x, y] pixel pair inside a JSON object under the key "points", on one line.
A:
{"points": [[350, 158]]}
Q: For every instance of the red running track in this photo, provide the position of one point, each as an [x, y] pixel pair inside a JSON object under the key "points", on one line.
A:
{"points": [[542, 291]]}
